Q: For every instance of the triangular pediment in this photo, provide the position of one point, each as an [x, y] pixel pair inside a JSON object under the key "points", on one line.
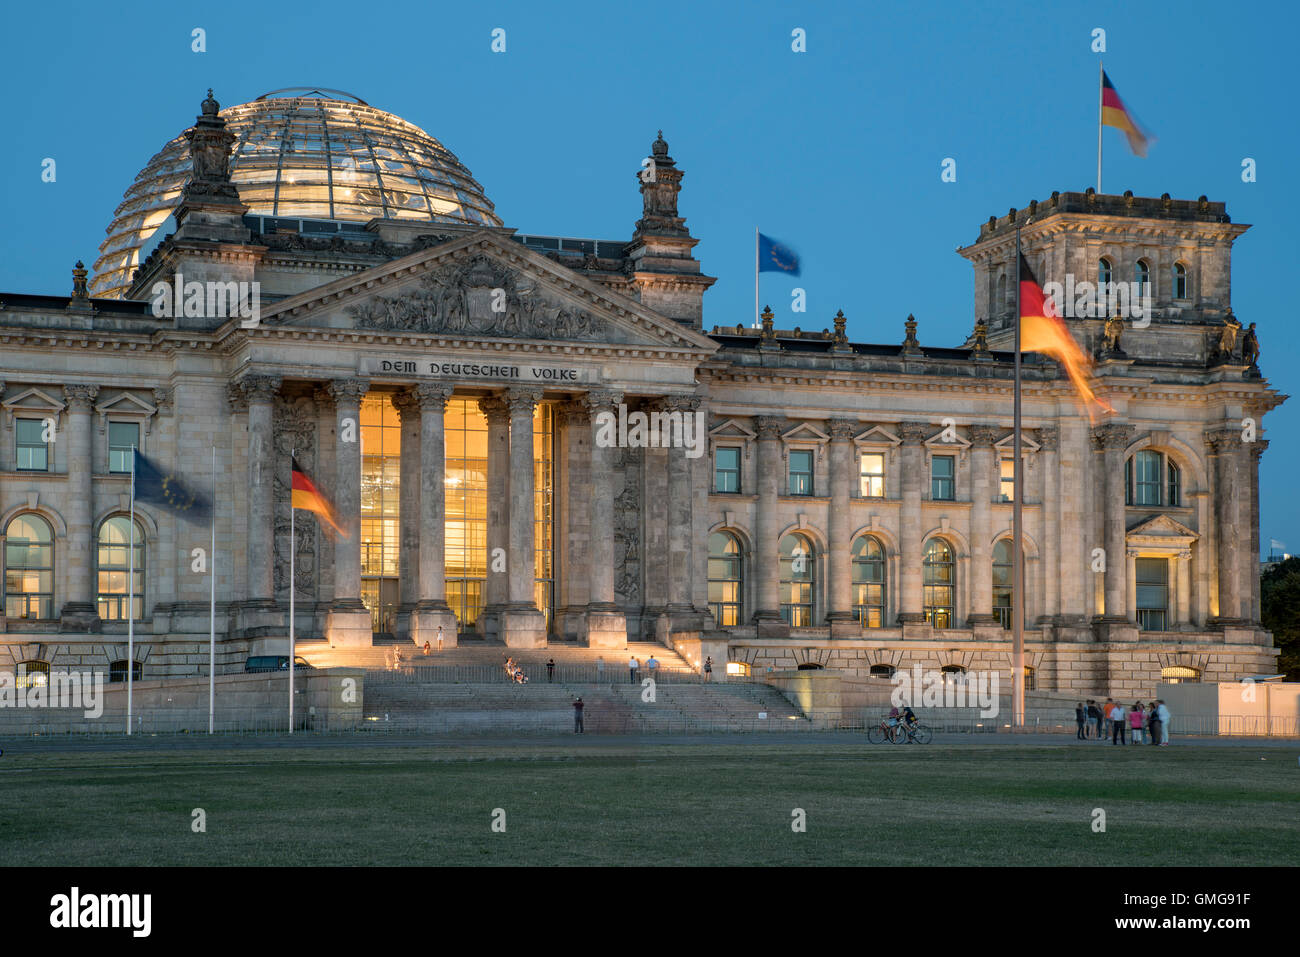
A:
{"points": [[124, 403], [877, 435], [33, 400], [1007, 443], [731, 429], [943, 439], [1162, 526], [483, 287], [803, 432]]}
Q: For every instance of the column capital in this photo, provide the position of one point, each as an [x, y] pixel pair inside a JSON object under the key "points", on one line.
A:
{"points": [[80, 398], [1258, 448], [259, 388], [676, 403], [407, 406], [767, 427], [1223, 439], [1049, 438], [235, 398], [431, 396], [913, 433], [983, 436], [841, 429], [522, 399], [1112, 437], [494, 408], [351, 391], [599, 400]]}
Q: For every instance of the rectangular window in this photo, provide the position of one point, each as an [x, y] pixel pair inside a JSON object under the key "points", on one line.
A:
{"points": [[1147, 486], [122, 438], [1007, 480], [801, 472], [873, 475], [726, 469], [1152, 579], [943, 478], [33, 452]]}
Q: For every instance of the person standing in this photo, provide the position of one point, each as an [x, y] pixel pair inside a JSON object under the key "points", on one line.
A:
{"points": [[1105, 715], [708, 669], [1118, 724], [577, 716], [632, 667], [1094, 718], [652, 665], [1080, 720], [1153, 724], [1135, 719], [600, 668], [550, 670], [440, 637], [1163, 713]]}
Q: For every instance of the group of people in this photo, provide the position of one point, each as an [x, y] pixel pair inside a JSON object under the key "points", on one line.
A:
{"points": [[1122, 725], [515, 673]]}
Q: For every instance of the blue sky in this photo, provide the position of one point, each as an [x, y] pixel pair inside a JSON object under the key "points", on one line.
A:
{"points": [[836, 151]]}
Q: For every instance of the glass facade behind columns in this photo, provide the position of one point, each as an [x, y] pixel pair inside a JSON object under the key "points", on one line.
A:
{"points": [[381, 450], [465, 551]]}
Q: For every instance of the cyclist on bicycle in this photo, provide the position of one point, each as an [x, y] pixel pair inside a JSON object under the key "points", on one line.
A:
{"points": [[894, 717], [909, 716]]}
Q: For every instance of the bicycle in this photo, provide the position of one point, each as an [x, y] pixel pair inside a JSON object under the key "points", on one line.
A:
{"points": [[916, 732], [885, 731]]}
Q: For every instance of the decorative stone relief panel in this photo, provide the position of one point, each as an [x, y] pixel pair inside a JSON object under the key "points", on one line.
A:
{"points": [[627, 530], [294, 419]]}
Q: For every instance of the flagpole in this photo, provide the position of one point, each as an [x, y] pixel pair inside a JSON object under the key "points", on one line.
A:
{"points": [[1101, 103], [1017, 536], [212, 603], [756, 322], [292, 547], [130, 603]]}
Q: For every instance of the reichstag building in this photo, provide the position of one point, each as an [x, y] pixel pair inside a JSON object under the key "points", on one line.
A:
{"points": [[440, 376]]}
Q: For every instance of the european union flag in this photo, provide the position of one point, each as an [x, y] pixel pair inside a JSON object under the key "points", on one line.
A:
{"points": [[776, 257], [155, 486]]}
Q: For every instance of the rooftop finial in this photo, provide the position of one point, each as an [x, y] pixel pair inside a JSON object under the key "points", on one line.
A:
{"points": [[659, 147], [210, 106]]}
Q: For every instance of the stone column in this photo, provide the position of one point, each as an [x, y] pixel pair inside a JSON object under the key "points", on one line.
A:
{"points": [[606, 625], [1130, 581], [839, 528], [522, 623], [982, 461], [681, 510], [1229, 488], [1048, 442], [1254, 452], [767, 528], [1183, 590], [79, 613], [496, 590], [1112, 440], [574, 520], [909, 538], [326, 466], [348, 621], [408, 550], [431, 611], [258, 610]]}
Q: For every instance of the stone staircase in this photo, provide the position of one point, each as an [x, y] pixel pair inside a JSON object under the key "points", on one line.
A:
{"points": [[572, 660]]}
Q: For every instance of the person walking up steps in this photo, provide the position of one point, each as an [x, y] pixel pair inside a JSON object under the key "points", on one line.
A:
{"points": [[550, 670], [632, 667]]}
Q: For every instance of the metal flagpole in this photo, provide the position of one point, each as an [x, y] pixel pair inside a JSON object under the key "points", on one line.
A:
{"points": [[756, 322], [1017, 536], [1101, 102], [292, 547], [130, 603], [212, 602]]}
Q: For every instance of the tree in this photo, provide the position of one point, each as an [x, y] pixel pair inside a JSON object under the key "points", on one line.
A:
{"points": [[1279, 594]]}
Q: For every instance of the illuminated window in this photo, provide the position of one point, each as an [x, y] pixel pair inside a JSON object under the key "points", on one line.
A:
{"points": [[465, 429], [1030, 679], [1007, 479], [1180, 281], [381, 474], [954, 673], [738, 668], [801, 472], [726, 469], [1177, 674], [113, 563], [797, 581], [123, 437], [29, 568], [943, 478], [1003, 576], [869, 582], [725, 579], [872, 472], [938, 583], [33, 452], [544, 508], [882, 671], [1152, 478], [33, 674]]}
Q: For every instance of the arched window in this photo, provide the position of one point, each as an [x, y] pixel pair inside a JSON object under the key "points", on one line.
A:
{"points": [[1002, 305], [1003, 578], [809, 666], [1152, 478], [1178, 674], [29, 568], [1029, 678], [725, 582], [113, 562], [939, 580], [117, 671], [1180, 281], [882, 671], [869, 582], [797, 581], [1104, 274], [953, 673], [1142, 279], [33, 674]]}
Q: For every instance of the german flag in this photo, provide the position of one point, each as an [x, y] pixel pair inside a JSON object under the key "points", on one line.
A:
{"points": [[307, 496], [1042, 330], [1115, 113]]}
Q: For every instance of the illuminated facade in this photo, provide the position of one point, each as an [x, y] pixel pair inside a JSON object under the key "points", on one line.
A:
{"points": [[446, 381]]}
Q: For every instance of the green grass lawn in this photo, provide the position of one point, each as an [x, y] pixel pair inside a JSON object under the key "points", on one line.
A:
{"points": [[713, 803]]}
